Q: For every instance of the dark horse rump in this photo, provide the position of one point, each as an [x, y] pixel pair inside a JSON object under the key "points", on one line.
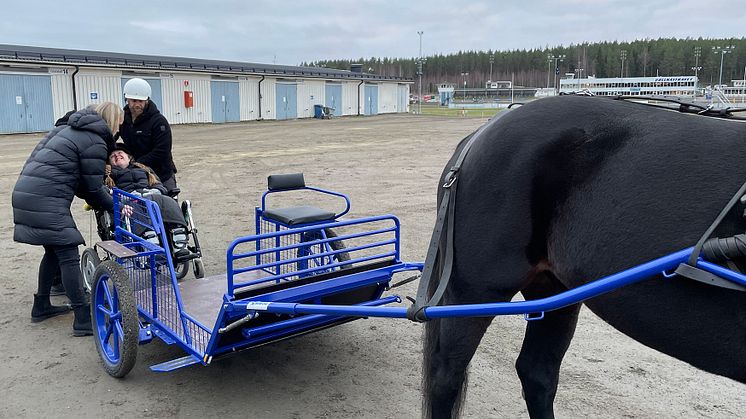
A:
{"points": [[566, 190]]}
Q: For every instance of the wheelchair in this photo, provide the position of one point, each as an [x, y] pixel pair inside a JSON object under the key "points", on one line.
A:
{"points": [[183, 241]]}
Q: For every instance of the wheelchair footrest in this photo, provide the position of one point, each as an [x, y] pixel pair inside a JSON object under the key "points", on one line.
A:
{"points": [[115, 249], [175, 364]]}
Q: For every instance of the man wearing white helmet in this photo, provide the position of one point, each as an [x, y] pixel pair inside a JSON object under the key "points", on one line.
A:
{"points": [[146, 132]]}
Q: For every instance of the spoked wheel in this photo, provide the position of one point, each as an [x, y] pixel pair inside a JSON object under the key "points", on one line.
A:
{"points": [[114, 319], [338, 245], [199, 268], [89, 261]]}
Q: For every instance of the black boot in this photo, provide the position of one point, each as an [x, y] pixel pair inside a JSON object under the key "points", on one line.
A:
{"points": [[82, 323], [43, 309]]}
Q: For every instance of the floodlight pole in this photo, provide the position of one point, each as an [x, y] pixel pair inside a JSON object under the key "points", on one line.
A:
{"points": [[722, 51], [419, 74], [550, 58]]}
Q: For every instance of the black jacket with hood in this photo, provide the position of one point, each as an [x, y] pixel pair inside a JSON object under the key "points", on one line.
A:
{"points": [[68, 162], [149, 140]]}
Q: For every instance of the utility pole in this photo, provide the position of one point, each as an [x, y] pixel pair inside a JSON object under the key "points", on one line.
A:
{"points": [[555, 58], [419, 74], [489, 82], [623, 56], [722, 51], [696, 68]]}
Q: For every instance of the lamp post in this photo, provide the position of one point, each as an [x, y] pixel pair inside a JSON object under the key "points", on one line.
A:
{"points": [[722, 51], [419, 75], [555, 58], [492, 61], [463, 74], [580, 75], [622, 56]]}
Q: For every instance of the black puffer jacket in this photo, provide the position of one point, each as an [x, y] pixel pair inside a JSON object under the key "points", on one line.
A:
{"points": [[69, 161], [149, 140], [133, 178]]}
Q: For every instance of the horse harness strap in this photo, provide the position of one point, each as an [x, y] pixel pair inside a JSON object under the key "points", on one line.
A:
{"points": [[690, 269], [446, 213]]}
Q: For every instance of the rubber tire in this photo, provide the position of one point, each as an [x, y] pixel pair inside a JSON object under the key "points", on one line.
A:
{"points": [[89, 261], [338, 245], [199, 268], [181, 270], [120, 300]]}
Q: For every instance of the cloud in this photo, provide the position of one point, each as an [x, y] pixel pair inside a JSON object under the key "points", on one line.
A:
{"points": [[296, 31]]}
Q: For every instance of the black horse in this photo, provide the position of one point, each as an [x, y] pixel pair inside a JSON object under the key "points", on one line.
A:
{"points": [[566, 190]]}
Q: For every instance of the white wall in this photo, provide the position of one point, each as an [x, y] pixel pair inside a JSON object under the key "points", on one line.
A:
{"points": [[350, 98], [388, 94], [172, 90], [106, 85], [62, 91], [268, 98], [249, 96], [310, 92]]}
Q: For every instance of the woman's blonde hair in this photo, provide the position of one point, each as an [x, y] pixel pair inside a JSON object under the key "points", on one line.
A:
{"points": [[111, 113]]}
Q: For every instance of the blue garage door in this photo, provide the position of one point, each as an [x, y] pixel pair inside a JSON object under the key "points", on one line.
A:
{"points": [[225, 101], [333, 100], [371, 100], [25, 104], [286, 101], [155, 92]]}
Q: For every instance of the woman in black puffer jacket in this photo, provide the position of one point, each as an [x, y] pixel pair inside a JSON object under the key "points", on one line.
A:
{"points": [[68, 162]]}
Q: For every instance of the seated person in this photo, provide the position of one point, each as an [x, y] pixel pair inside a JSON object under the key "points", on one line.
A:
{"points": [[130, 176]]}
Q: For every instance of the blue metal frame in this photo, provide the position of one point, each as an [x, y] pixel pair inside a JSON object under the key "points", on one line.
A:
{"points": [[533, 309], [260, 211]]}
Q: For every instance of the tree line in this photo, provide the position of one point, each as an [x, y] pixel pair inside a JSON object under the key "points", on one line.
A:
{"points": [[533, 68]]}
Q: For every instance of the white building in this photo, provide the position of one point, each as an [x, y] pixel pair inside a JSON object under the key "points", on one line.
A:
{"points": [[38, 85], [683, 86]]}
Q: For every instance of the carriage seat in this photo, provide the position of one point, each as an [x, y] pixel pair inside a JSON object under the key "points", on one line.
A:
{"points": [[299, 215]]}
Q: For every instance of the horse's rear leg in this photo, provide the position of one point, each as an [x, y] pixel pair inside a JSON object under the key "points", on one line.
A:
{"points": [[450, 343], [544, 346]]}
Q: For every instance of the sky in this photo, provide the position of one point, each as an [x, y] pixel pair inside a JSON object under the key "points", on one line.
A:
{"points": [[284, 32]]}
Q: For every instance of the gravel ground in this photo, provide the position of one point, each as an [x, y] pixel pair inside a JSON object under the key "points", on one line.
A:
{"points": [[367, 368]]}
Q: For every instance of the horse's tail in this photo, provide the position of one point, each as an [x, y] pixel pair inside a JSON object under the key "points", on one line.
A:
{"points": [[431, 346], [432, 331]]}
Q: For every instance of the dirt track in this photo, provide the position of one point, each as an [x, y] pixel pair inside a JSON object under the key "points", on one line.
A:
{"points": [[367, 368]]}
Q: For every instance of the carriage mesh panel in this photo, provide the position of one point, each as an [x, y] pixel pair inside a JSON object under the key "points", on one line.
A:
{"points": [[145, 270], [284, 255]]}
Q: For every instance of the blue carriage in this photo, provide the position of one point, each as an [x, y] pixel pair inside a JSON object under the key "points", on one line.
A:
{"points": [[304, 269], [298, 254]]}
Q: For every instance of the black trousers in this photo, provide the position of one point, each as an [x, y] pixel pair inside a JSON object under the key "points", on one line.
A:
{"points": [[170, 183], [64, 260]]}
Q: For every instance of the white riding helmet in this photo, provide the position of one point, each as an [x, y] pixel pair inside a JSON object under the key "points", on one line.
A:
{"points": [[137, 89]]}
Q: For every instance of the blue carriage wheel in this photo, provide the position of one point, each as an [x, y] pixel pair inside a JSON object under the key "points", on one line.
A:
{"points": [[114, 319]]}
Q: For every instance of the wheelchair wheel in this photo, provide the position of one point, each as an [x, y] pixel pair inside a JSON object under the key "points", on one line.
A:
{"points": [[181, 269], [199, 268], [89, 261], [114, 319]]}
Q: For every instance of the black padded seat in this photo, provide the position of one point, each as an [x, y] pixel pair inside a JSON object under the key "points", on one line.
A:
{"points": [[298, 215]]}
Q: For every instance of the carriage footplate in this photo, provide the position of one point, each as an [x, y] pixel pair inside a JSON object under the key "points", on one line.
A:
{"points": [[116, 249], [175, 364]]}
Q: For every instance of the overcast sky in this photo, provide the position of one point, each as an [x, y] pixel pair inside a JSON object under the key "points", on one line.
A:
{"points": [[284, 32]]}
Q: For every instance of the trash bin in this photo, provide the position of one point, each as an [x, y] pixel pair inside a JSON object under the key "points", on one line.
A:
{"points": [[318, 111]]}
